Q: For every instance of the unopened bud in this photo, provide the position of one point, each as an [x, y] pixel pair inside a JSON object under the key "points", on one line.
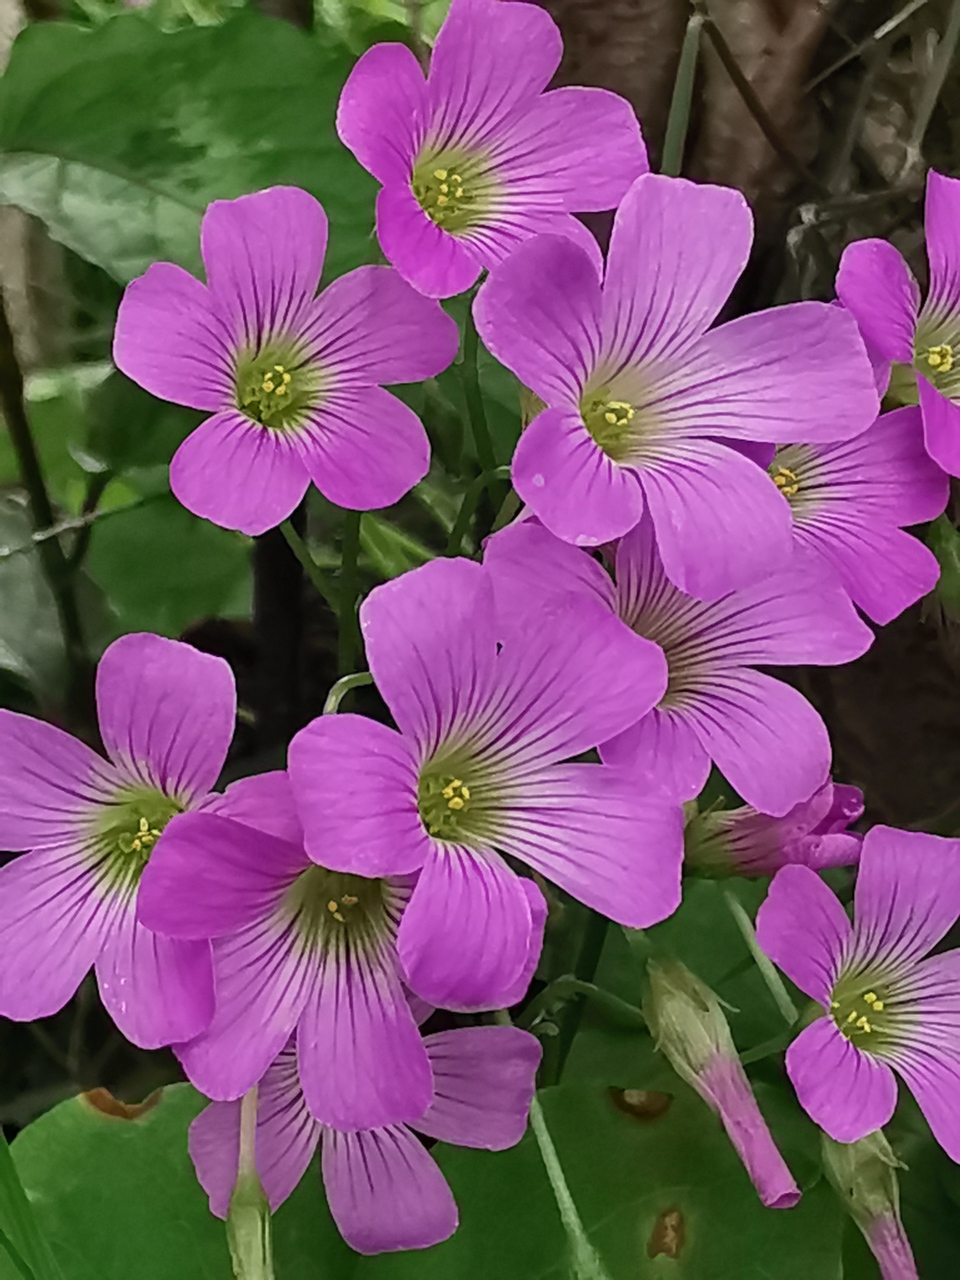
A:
{"points": [[691, 1030], [249, 1230], [864, 1175]]}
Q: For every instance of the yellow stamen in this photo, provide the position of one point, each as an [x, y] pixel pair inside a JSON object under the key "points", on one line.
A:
{"points": [[940, 358], [440, 173], [332, 906], [870, 997], [456, 803]]}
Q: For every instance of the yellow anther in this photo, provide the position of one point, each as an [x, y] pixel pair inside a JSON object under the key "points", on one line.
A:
{"points": [[445, 188], [455, 177], [940, 358], [878, 1006], [863, 1024], [870, 997], [852, 1018], [441, 200], [144, 826], [459, 193], [333, 906], [456, 803], [465, 791], [440, 173], [338, 916], [834, 1004], [610, 417], [349, 900], [287, 379], [281, 391]]}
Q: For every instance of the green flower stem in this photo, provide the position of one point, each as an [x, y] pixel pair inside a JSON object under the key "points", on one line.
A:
{"points": [[53, 561], [564, 988], [470, 372], [249, 1228], [310, 566], [781, 995], [469, 505], [584, 970], [343, 686], [349, 645], [679, 118], [776, 1044]]}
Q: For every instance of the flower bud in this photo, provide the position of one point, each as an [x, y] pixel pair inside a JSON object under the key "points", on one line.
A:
{"points": [[249, 1230], [744, 842], [690, 1029], [864, 1175]]}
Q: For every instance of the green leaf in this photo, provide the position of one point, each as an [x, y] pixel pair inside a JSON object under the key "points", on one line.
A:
{"points": [[392, 550], [944, 541], [162, 568], [118, 1199], [24, 1252], [119, 137], [31, 644], [670, 1181]]}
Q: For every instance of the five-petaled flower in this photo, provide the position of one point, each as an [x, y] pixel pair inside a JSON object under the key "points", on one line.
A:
{"points": [[642, 398], [92, 826], [488, 711], [384, 1190], [477, 157], [878, 287], [850, 500], [293, 381], [765, 738], [885, 1007]]}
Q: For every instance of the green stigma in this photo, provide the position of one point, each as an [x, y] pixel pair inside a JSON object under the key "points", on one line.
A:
{"points": [[610, 422], [276, 386], [452, 188], [128, 830]]}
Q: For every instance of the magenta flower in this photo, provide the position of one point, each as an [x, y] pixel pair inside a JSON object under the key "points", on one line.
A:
{"points": [[297, 948], [643, 399], [91, 825], [691, 1030], [293, 381], [476, 771], [878, 287], [849, 503], [885, 1007], [744, 842], [384, 1190], [477, 157], [766, 739]]}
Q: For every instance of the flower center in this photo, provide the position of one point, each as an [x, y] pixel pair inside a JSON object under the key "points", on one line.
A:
{"points": [[329, 907], [786, 481], [610, 422], [444, 801], [938, 359], [127, 831], [859, 1013], [277, 386], [452, 189]]}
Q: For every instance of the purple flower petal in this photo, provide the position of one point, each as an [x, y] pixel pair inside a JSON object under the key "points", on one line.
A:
{"points": [[362, 1062], [263, 254], [538, 914], [907, 894], [239, 474], [157, 990], [676, 252], [803, 928], [765, 738], [213, 1142], [943, 242], [51, 782], [889, 1245], [490, 58], [263, 976], [264, 801], [435, 262], [210, 876], [751, 377], [364, 448], [170, 339], [583, 145], [463, 939], [431, 640], [167, 713], [370, 326], [846, 1092], [724, 1084], [580, 494], [483, 1080], [54, 921], [384, 1190], [382, 116], [338, 766], [720, 523], [665, 747], [594, 831], [539, 314], [941, 427], [877, 286], [528, 566], [930, 1062]]}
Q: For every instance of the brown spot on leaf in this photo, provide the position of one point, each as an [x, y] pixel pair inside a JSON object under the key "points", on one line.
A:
{"points": [[668, 1234], [641, 1104], [103, 1101]]}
